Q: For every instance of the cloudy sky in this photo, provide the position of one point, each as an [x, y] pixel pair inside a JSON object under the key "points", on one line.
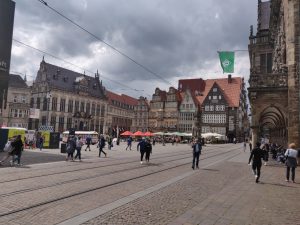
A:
{"points": [[175, 39]]}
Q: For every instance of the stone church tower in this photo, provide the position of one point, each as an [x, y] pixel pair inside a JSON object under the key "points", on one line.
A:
{"points": [[274, 72]]}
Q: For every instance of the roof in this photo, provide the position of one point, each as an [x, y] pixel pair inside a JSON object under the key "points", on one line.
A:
{"points": [[231, 90], [264, 12], [121, 98], [16, 81], [192, 84], [71, 81]]}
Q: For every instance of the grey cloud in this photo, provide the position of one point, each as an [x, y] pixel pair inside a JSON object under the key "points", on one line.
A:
{"points": [[171, 37]]}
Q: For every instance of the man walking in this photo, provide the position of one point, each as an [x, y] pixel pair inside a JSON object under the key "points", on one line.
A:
{"points": [[101, 145], [148, 150], [129, 143], [257, 154], [142, 145], [88, 141], [197, 147]]}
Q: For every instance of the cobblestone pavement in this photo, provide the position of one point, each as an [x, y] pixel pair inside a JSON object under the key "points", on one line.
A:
{"points": [[223, 191]]}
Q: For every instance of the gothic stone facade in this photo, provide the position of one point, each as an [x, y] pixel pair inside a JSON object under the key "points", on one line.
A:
{"points": [[274, 72]]}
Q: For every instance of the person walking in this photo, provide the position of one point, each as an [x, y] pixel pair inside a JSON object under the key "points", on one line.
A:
{"points": [[148, 150], [71, 146], [250, 146], [88, 141], [109, 142], [79, 145], [18, 146], [10, 151], [197, 147], [291, 161], [41, 142], [142, 145], [245, 145], [129, 143], [256, 155], [101, 145]]}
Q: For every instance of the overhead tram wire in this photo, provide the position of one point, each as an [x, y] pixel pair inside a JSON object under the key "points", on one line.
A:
{"points": [[79, 67], [106, 43]]}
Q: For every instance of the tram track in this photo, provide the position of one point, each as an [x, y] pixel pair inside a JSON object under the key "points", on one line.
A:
{"points": [[95, 167], [43, 203]]}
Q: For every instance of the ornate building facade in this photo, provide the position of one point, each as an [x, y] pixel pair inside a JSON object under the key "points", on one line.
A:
{"points": [[141, 115], [67, 99], [274, 72], [120, 113]]}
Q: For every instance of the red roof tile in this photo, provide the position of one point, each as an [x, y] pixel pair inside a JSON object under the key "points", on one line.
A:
{"points": [[231, 90], [121, 98]]}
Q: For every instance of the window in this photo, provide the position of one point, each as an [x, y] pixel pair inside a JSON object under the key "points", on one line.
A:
{"points": [[54, 104], [220, 97], [15, 113], [20, 113], [82, 107], [266, 63], [215, 97], [31, 102], [24, 99], [70, 106], [209, 97], [62, 105], [98, 110], [44, 120], [69, 123], [76, 106], [88, 108], [15, 98], [102, 110], [45, 102], [211, 108], [93, 110], [53, 122], [61, 122], [207, 108], [38, 102], [215, 89]]}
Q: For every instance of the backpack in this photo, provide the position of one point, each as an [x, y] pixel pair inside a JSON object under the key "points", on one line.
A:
{"points": [[8, 147]]}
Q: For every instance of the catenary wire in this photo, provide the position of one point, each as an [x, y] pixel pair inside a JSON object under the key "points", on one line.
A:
{"points": [[79, 67], [106, 43]]}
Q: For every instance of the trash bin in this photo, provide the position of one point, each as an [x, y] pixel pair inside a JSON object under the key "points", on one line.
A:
{"points": [[63, 148]]}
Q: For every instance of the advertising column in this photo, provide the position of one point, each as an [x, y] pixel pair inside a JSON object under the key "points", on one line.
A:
{"points": [[7, 11]]}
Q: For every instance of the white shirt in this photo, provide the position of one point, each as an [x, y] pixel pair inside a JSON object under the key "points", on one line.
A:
{"points": [[291, 153]]}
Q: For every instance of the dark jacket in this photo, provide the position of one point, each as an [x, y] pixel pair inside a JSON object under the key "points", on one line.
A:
{"points": [[257, 154], [148, 147], [142, 145], [18, 146], [199, 147], [102, 142]]}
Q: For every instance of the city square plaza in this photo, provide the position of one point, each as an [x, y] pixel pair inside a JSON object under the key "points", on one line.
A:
{"points": [[117, 189]]}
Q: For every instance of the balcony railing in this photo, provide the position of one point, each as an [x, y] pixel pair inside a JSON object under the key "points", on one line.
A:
{"points": [[268, 80]]}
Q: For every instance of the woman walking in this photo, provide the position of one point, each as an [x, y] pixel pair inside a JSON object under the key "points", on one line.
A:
{"points": [[79, 145], [291, 161]]}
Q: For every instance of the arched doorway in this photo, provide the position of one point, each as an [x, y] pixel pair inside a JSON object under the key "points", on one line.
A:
{"points": [[272, 125]]}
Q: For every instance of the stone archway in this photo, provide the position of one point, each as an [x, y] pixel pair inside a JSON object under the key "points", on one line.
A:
{"points": [[273, 125]]}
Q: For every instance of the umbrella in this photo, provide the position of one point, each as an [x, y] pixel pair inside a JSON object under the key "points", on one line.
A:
{"points": [[127, 133], [148, 133], [138, 133], [159, 133]]}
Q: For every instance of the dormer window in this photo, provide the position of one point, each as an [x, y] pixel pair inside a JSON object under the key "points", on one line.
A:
{"points": [[215, 89]]}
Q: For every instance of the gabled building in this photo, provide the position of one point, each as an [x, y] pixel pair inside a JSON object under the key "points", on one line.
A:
{"points": [[120, 113], [156, 112], [141, 115], [67, 99], [16, 113], [221, 103]]}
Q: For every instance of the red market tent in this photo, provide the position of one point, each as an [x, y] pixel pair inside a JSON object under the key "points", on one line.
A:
{"points": [[126, 133], [138, 133], [148, 133]]}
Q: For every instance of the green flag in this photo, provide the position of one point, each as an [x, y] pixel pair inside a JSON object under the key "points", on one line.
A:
{"points": [[227, 61]]}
